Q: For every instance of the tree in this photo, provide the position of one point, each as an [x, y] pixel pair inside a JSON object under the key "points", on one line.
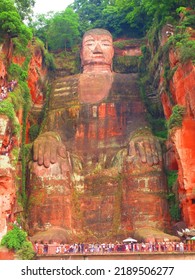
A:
{"points": [[25, 8], [63, 31], [140, 14], [90, 13], [11, 24], [40, 26]]}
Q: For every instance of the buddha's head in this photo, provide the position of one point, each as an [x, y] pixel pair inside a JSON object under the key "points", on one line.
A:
{"points": [[97, 50]]}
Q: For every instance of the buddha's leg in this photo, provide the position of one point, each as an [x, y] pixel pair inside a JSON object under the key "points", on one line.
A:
{"points": [[145, 206], [49, 194]]}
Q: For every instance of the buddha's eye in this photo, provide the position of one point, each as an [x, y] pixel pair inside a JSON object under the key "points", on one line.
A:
{"points": [[89, 43], [106, 44]]}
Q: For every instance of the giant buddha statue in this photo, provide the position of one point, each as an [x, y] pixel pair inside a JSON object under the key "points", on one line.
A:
{"points": [[97, 169]]}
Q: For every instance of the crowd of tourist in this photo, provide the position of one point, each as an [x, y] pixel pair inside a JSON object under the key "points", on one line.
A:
{"points": [[96, 248], [5, 89]]}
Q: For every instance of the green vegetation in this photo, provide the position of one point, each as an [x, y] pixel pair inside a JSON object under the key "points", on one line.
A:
{"points": [[126, 64], [187, 51], [182, 42], [176, 118], [66, 24], [14, 29], [26, 252], [69, 61], [132, 18], [24, 8], [7, 108], [155, 55], [27, 98], [34, 132], [49, 61], [11, 24], [16, 72], [16, 239], [159, 127], [59, 30], [131, 42], [172, 199]]}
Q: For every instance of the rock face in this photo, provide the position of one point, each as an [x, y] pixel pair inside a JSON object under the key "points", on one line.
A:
{"points": [[8, 172], [7, 194], [182, 88], [37, 74], [7, 184]]}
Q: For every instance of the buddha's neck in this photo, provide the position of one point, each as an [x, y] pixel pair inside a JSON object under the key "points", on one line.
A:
{"points": [[97, 68]]}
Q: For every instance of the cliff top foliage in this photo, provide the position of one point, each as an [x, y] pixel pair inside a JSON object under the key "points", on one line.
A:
{"points": [[123, 18], [63, 30], [11, 24]]}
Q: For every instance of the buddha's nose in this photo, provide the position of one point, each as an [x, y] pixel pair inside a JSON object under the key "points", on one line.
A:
{"points": [[97, 49]]}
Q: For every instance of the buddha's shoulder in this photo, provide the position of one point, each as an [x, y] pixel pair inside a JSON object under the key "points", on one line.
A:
{"points": [[120, 78], [125, 84], [63, 91]]}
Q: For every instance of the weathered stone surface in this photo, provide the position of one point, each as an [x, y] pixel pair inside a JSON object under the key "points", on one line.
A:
{"points": [[6, 254], [8, 141], [182, 87], [3, 72], [145, 196], [7, 193], [50, 201], [183, 140], [36, 76]]}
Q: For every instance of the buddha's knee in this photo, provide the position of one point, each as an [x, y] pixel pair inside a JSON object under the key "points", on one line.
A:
{"points": [[60, 169]]}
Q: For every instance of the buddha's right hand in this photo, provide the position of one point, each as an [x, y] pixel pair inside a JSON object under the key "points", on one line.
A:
{"points": [[47, 148]]}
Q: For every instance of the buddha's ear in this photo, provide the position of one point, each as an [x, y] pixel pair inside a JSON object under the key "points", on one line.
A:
{"points": [[112, 51], [81, 56]]}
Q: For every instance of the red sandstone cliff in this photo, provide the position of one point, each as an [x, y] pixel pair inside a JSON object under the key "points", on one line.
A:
{"points": [[36, 78], [182, 89]]}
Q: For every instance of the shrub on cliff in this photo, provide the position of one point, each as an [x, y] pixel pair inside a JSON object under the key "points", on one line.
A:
{"points": [[26, 252], [187, 51], [7, 108], [176, 117], [16, 239]]}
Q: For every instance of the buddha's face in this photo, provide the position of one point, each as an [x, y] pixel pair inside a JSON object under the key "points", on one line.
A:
{"points": [[97, 49]]}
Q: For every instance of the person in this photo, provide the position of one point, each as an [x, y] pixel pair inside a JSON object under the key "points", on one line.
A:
{"points": [[58, 249], [97, 123], [45, 248]]}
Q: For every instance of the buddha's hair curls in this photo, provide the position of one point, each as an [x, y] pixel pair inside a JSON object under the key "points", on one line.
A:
{"points": [[97, 31]]}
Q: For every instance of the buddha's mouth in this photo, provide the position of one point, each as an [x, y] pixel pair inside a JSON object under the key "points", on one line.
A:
{"points": [[98, 56]]}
